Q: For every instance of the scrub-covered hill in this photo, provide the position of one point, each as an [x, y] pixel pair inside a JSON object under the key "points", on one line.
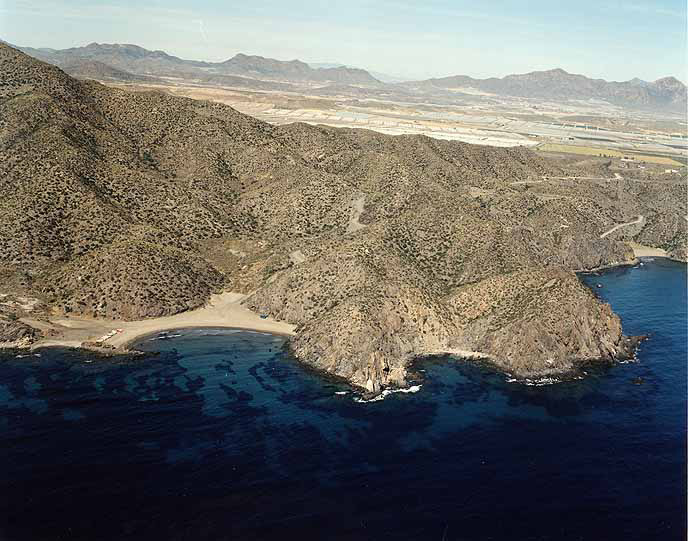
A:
{"points": [[379, 248]]}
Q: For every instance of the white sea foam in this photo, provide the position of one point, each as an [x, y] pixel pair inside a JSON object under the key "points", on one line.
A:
{"points": [[164, 335], [221, 332], [541, 381], [386, 392], [534, 382], [375, 399], [342, 392]]}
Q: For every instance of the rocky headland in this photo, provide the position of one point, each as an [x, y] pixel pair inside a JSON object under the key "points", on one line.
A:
{"points": [[377, 249]]}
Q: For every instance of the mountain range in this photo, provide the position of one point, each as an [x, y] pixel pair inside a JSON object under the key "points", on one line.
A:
{"points": [[383, 77], [128, 205], [137, 60], [558, 85]]}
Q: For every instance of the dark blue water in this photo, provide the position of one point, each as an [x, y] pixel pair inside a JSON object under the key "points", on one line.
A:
{"points": [[223, 436]]}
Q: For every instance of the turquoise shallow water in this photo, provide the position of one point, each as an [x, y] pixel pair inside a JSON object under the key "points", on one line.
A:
{"points": [[223, 436]]}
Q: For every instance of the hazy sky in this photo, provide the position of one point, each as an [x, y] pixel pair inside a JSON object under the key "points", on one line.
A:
{"points": [[611, 39]]}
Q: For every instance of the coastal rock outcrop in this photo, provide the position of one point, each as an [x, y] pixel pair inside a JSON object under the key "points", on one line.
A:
{"points": [[14, 333], [134, 205]]}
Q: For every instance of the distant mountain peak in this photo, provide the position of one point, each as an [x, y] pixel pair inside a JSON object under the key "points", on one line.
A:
{"points": [[294, 70], [96, 45], [669, 82]]}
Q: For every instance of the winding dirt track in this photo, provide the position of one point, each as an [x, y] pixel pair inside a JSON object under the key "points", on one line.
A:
{"points": [[617, 227]]}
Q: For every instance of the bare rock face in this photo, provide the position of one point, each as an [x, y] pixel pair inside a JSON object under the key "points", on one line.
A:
{"points": [[379, 249], [14, 333], [585, 253], [542, 323], [528, 323], [372, 345]]}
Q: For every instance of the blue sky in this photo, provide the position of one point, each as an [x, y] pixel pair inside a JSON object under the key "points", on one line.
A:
{"points": [[611, 39]]}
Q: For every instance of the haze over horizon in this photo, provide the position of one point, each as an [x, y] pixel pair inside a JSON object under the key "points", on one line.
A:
{"points": [[612, 40]]}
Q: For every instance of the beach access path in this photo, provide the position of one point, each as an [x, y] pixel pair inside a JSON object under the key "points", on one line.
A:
{"points": [[636, 221]]}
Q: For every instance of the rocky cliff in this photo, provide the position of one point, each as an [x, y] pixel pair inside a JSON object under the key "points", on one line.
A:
{"points": [[379, 248]]}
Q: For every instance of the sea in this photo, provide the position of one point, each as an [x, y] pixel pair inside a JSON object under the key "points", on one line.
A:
{"points": [[220, 434]]}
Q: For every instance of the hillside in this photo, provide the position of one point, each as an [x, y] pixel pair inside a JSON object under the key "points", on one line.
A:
{"points": [[667, 93], [93, 69], [378, 248]]}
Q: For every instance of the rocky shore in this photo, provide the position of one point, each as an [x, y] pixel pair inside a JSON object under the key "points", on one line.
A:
{"points": [[369, 250]]}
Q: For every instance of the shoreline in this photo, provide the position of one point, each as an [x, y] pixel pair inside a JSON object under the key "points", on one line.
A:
{"points": [[222, 311], [225, 311], [631, 263], [640, 251], [143, 337]]}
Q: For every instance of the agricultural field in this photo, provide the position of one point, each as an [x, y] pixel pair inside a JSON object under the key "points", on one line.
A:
{"points": [[609, 152]]}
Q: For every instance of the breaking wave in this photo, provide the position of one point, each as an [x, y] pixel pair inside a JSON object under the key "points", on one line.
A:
{"points": [[386, 392]]}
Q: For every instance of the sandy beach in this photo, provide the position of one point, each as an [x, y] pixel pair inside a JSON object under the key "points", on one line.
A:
{"points": [[647, 251], [222, 310]]}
